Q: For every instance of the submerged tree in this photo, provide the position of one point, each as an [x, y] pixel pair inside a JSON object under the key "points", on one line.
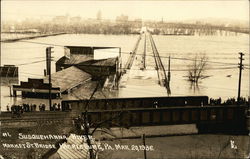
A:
{"points": [[197, 68]]}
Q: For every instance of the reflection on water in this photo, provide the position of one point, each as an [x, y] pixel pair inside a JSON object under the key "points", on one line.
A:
{"points": [[194, 86]]}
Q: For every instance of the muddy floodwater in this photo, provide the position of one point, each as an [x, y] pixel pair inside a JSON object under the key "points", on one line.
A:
{"points": [[222, 71]]}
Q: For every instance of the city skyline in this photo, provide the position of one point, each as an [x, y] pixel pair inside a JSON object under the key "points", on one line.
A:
{"points": [[145, 10]]}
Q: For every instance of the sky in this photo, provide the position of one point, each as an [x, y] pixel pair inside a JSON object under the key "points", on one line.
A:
{"points": [[154, 10]]}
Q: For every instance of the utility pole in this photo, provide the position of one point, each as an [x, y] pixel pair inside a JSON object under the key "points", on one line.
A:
{"points": [[144, 53], [48, 68], [240, 68], [144, 143], [168, 69]]}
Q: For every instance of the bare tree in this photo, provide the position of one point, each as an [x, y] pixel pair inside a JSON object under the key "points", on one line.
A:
{"points": [[197, 68], [83, 121]]}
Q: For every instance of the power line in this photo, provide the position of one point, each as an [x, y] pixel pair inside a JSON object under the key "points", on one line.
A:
{"points": [[187, 69], [135, 90], [124, 52], [30, 74], [130, 69], [187, 59], [21, 48], [58, 78], [30, 63], [40, 43], [25, 58]]}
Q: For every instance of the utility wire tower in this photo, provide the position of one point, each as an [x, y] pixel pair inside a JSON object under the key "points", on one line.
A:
{"points": [[48, 68], [240, 72]]}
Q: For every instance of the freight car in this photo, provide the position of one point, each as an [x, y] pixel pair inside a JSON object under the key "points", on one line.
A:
{"points": [[147, 102]]}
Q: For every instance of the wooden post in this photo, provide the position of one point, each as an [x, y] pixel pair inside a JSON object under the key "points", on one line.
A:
{"points": [[48, 66], [168, 69], [144, 143], [144, 53], [45, 72], [14, 93], [240, 72], [10, 91]]}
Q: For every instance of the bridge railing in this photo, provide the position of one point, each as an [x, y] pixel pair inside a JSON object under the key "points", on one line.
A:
{"points": [[132, 54], [164, 81]]}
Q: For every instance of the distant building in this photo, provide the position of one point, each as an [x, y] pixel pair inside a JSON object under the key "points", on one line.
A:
{"points": [[99, 15], [122, 19], [75, 19], [61, 19]]}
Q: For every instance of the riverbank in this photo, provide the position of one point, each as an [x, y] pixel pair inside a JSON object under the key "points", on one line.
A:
{"points": [[32, 37]]}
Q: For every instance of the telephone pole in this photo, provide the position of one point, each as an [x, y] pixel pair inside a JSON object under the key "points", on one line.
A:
{"points": [[169, 69], [240, 72], [48, 68], [144, 143]]}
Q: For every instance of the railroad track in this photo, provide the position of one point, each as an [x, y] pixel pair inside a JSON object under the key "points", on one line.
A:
{"points": [[146, 45], [163, 80], [132, 54]]}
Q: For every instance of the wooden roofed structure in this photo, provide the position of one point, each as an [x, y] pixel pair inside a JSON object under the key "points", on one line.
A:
{"points": [[62, 82]]}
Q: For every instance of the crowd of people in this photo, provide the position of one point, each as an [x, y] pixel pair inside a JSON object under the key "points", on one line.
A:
{"points": [[215, 101], [229, 101], [55, 107], [19, 109]]}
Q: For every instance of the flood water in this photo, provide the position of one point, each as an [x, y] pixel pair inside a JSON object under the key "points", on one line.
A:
{"points": [[222, 53]]}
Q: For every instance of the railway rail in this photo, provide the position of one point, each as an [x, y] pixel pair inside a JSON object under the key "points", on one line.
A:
{"points": [[163, 80], [132, 54]]}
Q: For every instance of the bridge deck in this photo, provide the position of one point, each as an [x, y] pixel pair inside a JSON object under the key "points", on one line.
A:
{"points": [[142, 79]]}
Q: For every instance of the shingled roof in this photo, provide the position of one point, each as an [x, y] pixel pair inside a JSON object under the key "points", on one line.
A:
{"points": [[74, 59], [103, 62], [68, 78]]}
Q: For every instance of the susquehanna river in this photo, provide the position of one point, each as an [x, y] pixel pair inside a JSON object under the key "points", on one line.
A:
{"points": [[220, 50]]}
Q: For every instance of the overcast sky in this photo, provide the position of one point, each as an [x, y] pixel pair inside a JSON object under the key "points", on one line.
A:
{"points": [[155, 10]]}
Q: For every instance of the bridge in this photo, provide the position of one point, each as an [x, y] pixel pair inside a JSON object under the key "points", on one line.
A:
{"points": [[144, 66]]}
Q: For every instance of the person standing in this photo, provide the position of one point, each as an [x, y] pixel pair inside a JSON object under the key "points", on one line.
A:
{"points": [[40, 107], [43, 107], [34, 107], [8, 107], [31, 107], [59, 106]]}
